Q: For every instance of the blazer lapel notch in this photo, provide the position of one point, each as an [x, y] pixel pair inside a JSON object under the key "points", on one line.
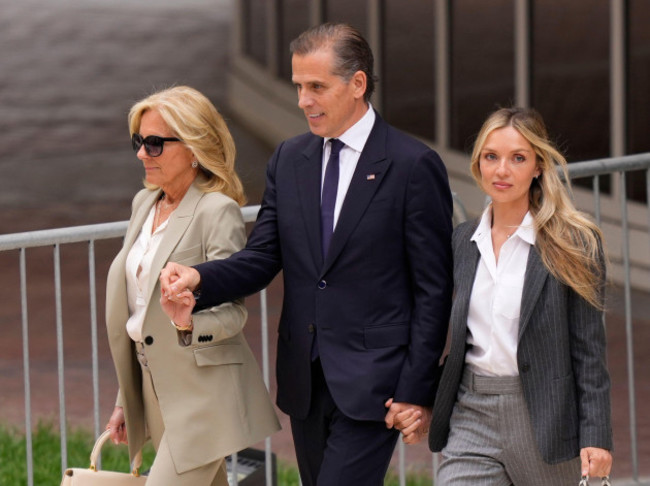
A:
{"points": [[177, 224]]}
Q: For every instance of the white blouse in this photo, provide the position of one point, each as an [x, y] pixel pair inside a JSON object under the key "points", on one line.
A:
{"points": [[493, 319], [138, 267]]}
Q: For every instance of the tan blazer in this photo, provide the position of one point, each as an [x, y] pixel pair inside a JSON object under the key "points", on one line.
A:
{"points": [[212, 397]]}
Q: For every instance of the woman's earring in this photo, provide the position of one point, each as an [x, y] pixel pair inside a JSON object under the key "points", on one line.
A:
{"points": [[195, 164]]}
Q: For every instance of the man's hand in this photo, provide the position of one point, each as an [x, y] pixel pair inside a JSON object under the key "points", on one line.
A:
{"points": [[176, 278], [596, 462], [411, 420]]}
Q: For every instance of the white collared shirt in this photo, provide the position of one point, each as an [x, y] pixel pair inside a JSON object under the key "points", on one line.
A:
{"points": [[493, 318], [138, 268], [354, 139]]}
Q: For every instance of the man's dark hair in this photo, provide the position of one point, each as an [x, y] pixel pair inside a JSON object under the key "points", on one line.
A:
{"points": [[351, 51]]}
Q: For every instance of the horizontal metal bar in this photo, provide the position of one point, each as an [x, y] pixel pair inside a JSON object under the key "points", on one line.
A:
{"points": [[72, 234], [76, 234], [596, 167]]}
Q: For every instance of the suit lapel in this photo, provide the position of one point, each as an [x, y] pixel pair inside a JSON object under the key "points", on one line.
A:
{"points": [[373, 162], [534, 279], [466, 262], [140, 216], [117, 300], [308, 178], [177, 224]]}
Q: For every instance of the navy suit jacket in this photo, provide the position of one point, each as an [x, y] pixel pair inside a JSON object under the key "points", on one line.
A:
{"points": [[380, 299]]}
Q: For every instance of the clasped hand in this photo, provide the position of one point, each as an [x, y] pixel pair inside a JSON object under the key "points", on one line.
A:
{"points": [[411, 420], [176, 285]]}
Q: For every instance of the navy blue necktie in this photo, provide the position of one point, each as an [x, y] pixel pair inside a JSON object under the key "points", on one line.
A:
{"points": [[328, 198]]}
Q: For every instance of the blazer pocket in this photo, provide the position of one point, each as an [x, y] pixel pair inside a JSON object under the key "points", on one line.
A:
{"points": [[565, 401], [220, 354], [387, 336], [193, 254]]}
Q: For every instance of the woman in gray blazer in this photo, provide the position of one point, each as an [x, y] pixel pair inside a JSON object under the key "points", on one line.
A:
{"points": [[193, 387], [524, 396]]}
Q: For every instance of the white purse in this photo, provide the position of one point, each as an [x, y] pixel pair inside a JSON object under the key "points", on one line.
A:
{"points": [[92, 476]]}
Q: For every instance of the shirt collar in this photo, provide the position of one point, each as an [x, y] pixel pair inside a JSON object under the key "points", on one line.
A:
{"points": [[525, 231], [356, 136]]}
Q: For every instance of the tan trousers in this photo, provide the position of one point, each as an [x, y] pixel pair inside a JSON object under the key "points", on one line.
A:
{"points": [[163, 472]]}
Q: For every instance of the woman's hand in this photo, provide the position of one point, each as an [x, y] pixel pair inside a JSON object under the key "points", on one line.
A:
{"points": [[117, 426], [174, 278], [180, 309], [596, 462]]}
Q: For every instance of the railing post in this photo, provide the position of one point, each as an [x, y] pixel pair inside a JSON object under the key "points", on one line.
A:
{"points": [[92, 288], [59, 349], [628, 327], [27, 385]]}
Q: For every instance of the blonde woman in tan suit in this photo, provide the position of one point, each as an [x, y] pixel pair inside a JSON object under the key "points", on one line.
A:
{"points": [[193, 387]]}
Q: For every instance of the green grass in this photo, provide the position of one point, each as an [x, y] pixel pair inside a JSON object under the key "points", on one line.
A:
{"points": [[47, 455], [412, 479], [47, 458]]}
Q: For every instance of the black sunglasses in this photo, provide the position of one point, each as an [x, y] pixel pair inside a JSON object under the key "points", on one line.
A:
{"points": [[153, 144]]}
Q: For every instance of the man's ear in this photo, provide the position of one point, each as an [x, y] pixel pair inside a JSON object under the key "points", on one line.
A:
{"points": [[360, 84]]}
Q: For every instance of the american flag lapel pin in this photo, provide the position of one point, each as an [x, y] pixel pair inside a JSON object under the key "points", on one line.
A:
{"points": [[370, 177]]}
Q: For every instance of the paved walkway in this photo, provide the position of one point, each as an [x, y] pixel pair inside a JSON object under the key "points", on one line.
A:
{"points": [[70, 71]]}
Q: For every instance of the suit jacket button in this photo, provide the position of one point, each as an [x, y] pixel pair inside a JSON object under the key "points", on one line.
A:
{"points": [[310, 328], [322, 284], [525, 368], [148, 340]]}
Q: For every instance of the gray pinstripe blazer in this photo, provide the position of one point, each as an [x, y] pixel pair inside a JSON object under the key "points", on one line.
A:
{"points": [[561, 359]]}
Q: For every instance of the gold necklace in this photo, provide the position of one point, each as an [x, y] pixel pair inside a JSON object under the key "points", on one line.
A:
{"points": [[159, 208]]}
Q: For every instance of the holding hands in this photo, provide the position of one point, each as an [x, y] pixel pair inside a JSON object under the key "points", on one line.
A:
{"points": [[411, 420], [177, 282]]}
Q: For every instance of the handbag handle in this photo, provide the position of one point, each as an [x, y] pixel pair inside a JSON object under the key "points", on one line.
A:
{"points": [[97, 448], [604, 481]]}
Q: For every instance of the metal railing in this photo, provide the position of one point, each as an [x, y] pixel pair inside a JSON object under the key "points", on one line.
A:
{"points": [[92, 233]]}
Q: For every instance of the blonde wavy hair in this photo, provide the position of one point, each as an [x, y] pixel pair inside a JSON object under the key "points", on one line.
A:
{"points": [[194, 119], [569, 243]]}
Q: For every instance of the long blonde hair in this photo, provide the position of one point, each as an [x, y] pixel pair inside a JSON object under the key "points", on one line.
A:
{"points": [[195, 120], [569, 243]]}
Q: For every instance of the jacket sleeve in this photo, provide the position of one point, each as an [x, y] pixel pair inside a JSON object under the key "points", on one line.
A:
{"points": [[428, 231], [222, 234], [250, 270], [588, 355]]}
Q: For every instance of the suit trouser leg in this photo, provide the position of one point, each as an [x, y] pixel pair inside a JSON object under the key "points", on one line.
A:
{"points": [[334, 450], [491, 440], [163, 471]]}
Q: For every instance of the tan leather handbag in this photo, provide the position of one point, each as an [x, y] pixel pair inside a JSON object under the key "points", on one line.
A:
{"points": [[92, 476]]}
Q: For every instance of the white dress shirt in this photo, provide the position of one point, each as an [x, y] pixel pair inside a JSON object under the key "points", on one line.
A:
{"points": [[138, 267], [493, 319], [354, 139]]}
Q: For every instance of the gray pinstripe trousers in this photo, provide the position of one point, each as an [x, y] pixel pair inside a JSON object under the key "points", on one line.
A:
{"points": [[491, 440]]}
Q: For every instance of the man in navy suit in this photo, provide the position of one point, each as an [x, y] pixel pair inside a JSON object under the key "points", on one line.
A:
{"points": [[365, 249]]}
